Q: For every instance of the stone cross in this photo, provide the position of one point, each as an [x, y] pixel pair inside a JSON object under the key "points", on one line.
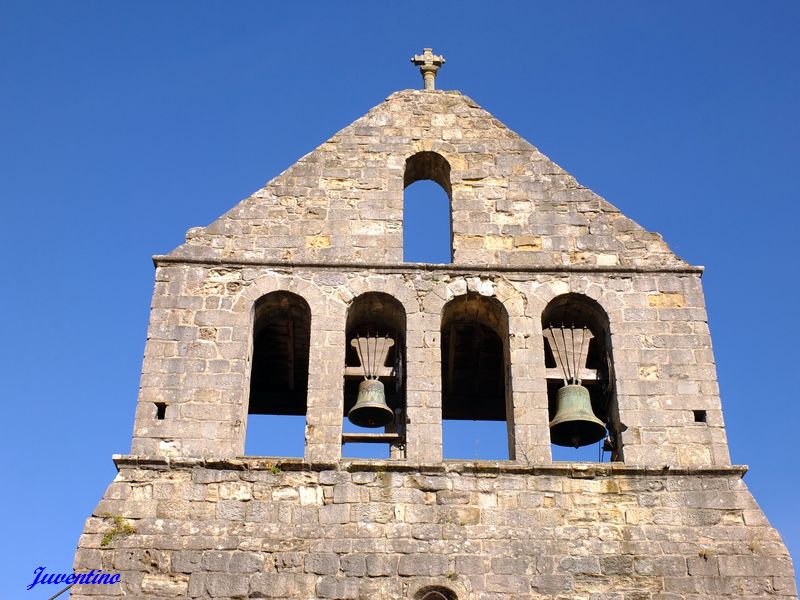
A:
{"points": [[428, 64]]}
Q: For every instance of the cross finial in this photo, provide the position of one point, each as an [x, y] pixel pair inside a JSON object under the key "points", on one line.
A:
{"points": [[428, 64]]}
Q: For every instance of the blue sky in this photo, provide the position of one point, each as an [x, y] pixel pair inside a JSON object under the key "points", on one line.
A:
{"points": [[124, 124]]}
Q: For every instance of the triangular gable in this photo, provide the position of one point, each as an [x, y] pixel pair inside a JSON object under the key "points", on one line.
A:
{"points": [[511, 205]]}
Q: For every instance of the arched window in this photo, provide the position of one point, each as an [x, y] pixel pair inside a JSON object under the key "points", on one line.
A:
{"points": [[476, 392], [279, 375], [376, 342], [577, 346], [427, 223]]}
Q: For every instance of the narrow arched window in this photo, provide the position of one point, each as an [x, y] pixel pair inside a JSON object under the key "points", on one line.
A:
{"points": [[584, 419], [375, 335], [279, 376], [427, 222], [476, 395]]}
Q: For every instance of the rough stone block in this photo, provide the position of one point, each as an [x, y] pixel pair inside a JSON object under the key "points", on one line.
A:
{"points": [[381, 565], [338, 589], [422, 565], [223, 585], [334, 513], [322, 564], [246, 562], [353, 565], [165, 585]]}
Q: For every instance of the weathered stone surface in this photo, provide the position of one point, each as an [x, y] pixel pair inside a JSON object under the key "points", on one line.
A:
{"points": [[662, 362], [517, 208], [165, 585], [671, 520], [503, 551]]}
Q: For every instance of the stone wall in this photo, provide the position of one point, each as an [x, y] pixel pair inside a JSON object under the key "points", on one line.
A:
{"points": [[249, 528], [199, 349], [524, 231], [511, 205], [673, 522]]}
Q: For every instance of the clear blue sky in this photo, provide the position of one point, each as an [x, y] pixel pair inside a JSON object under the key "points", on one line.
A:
{"points": [[124, 124]]}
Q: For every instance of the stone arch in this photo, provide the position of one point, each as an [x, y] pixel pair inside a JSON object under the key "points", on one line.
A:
{"points": [[446, 149], [245, 302], [281, 342], [432, 166], [279, 372], [272, 282], [475, 352], [394, 289], [545, 292], [320, 306], [428, 165], [380, 315], [573, 311], [395, 286], [607, 300], [435, 592], [452, 588]]}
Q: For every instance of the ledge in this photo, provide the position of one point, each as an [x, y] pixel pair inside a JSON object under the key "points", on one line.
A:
{"points": [[583, 470], [373, 438], [164, 259]]}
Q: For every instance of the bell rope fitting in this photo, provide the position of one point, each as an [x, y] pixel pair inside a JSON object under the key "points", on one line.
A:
{"points": [[575, 423]]}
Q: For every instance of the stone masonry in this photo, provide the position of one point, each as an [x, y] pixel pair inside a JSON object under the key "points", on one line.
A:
{"points": [[672, 521]]}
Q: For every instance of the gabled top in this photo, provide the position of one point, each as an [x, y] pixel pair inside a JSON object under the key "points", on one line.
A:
{"points": [[511, 205]]}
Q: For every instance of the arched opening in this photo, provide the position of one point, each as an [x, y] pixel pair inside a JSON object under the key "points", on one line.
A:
{"points": [[378, 321], [279, 376], [435, 592], [427, 221], [476, 391], [577, 348]]}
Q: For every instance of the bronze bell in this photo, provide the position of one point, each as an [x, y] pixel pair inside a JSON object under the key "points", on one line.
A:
{"points": [[575, 423], [370, 409]]}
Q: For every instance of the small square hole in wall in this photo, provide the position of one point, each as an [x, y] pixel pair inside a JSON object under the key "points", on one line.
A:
{"points": [[699, 416], [161, 410]]}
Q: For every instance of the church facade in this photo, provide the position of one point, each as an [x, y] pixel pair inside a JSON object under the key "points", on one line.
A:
{"points": [[299, 294]]}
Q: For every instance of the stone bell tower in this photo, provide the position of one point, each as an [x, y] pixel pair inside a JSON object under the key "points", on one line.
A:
{"points": [[557, 315]]}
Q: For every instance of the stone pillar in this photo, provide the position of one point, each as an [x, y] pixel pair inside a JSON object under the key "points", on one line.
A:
{"points": [[424, 394]]}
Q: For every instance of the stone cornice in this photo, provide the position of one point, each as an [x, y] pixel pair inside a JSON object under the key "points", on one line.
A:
{"points": [[456, 269], [566, 469]]}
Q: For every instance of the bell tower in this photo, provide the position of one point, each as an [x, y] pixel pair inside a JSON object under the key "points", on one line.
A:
{"points": [[557, 315]]}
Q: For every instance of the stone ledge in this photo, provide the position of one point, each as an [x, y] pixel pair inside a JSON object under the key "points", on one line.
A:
{"points": [[571, 470], [162, 259]]}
